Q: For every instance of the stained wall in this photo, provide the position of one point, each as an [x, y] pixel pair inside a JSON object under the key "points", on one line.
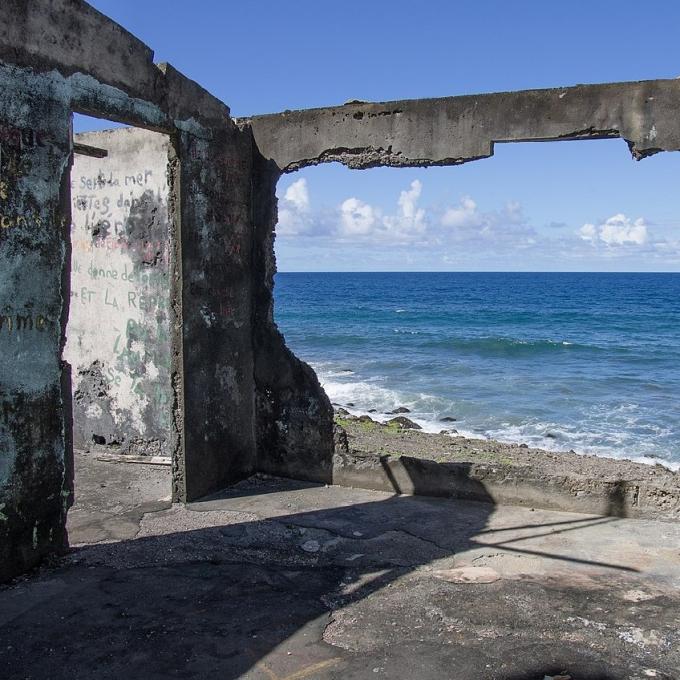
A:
{"points": [[62, 56], [34, 163]]}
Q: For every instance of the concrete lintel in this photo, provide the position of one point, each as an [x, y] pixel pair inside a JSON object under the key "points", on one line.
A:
{"points": [[453, 130], [87, 150]]}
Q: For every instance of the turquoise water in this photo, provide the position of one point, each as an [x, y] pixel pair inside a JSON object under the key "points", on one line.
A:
{"points": [[589, 362]]}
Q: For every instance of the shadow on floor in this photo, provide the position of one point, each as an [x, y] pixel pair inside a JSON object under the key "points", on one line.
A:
{"points": [[336, 592]]}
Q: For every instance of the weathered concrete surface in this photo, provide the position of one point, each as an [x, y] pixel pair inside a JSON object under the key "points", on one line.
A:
{"points": [[294, 417], [34, 433], [216, 238], [453, 130], [74, 37], [118, 332], [289, 580]]}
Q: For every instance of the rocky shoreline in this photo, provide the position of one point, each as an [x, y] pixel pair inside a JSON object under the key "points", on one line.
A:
{"points": [[508, 473]]}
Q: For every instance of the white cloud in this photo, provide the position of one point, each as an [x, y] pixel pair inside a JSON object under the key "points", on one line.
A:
{"points": [[466, 216], [297, 195], [498, 231], [463, 215], [294, 210], [588, 232], [617, 230], [513, 212], [407, 225], [409, 221], [356, 217], [463, 235], [410, 215]]}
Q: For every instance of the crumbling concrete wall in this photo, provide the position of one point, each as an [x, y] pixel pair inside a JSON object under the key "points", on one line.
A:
{"points": [[453, 130], [59, 56], [118, 332], [294, 417], [216, 299], [34, 165]]}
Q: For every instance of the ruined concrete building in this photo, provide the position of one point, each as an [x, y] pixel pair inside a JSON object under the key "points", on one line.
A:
{"points": [[137, 264]]}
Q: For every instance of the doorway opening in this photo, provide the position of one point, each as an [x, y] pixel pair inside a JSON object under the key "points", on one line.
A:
{"points": [[118, 340]]}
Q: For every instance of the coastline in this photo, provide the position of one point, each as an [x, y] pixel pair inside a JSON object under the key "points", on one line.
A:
{"points": [[560, 362], [389, 457], [343, 393]]}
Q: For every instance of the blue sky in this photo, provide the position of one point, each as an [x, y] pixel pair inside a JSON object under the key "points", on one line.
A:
{"points": [[552, 206]]}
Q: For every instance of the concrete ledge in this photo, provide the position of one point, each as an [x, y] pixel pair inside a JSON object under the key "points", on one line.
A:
{"points": [[505, 484]]}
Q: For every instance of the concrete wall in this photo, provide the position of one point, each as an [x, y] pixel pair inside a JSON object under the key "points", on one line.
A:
{"points": [[216, 298], [59, 56], [33, 402], [294, 417], [118, 332]]}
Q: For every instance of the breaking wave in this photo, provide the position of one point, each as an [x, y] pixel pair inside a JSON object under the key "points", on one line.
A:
{"points": [[558, 361]]}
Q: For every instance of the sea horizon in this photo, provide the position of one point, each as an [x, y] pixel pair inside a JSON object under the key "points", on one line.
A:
{"points": [[473, 271]]}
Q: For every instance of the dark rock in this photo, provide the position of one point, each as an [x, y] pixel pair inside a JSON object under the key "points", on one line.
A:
{"points": [[401, 409], [523, 446], [551, 435], [350, 404], [404, 423], [447, 419], [372, 410], [366, 419], [342, 411]]}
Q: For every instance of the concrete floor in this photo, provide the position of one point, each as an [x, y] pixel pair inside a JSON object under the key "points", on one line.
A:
{"points": [[279, 580]]}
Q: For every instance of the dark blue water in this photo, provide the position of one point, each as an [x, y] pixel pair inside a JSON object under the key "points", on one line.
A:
{"points": [[589, 362]]}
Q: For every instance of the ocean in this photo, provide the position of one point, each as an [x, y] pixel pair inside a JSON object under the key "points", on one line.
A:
{"points": [[561, 361]]}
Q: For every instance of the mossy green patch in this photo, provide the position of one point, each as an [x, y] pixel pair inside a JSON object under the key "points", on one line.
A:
{"points": [[367, 425]]}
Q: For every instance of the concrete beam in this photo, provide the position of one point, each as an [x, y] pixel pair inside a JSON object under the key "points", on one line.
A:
{"points": [[453, 130], [73, 37]]}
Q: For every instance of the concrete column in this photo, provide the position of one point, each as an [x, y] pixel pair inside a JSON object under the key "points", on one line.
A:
{"points": [[34, 391], [216, 241]]}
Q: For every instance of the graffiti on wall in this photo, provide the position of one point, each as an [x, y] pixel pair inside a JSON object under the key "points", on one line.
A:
{"points": [[118, 335]]}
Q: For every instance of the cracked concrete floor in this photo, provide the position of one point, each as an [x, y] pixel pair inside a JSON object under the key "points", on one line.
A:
{"points": [[280, 580]]}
